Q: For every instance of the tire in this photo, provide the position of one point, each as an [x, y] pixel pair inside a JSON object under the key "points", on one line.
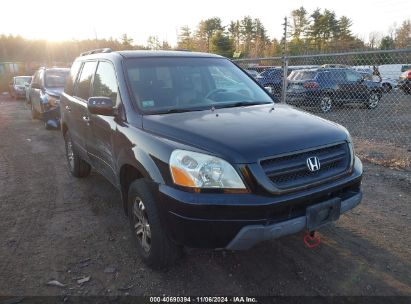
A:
{"points": [[326, 104], [34, 113], [386, 87], [153, 244], [77, 166], [373, 100]]}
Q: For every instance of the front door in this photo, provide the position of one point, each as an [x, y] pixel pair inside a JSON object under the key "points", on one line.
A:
{"points": [[102, 128]]}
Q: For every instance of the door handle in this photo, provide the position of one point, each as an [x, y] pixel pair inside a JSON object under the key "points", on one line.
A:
{"points": [[68, 108]]}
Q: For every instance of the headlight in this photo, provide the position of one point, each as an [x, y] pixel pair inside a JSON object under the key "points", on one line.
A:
{"points": [[197, 170], [351, 148]]}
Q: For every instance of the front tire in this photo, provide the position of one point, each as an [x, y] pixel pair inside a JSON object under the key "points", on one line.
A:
{"points": [[77, 166], [387, 87], [373, 100], [153, 244]]}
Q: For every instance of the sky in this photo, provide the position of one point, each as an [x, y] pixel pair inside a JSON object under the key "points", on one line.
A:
{"points": [[86, 19]]}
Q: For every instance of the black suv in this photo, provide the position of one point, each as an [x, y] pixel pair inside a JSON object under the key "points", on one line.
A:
{"points": [[326, 87], [200, 153]]}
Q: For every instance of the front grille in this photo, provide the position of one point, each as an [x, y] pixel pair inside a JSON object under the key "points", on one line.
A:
{"points": [[291, 171]]}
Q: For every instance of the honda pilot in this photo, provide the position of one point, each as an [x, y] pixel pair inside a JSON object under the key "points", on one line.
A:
{"points": [[328, 87], [201, 154]]}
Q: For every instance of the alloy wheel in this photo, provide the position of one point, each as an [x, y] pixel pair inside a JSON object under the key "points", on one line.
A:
{"points": [[326, 104], [70, 154], [141, 224], [373, 100]]}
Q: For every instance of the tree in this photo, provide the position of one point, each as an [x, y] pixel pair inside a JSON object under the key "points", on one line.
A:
{"points": [[387, 43], [207, 28], [153, 43], [221, 44], [403, 35], [234, 30], [126, 41], [185, 39], [299, 23]]}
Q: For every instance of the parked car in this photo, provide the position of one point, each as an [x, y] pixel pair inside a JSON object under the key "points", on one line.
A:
{"points": [[387, 84], [252, 73], [17, 87], [200, 162], [326, 87], [272, 78], [404, 83], [44, 94], [390, 73]]}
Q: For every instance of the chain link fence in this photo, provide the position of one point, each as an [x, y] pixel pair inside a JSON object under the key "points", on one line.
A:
{"points": [[367, 92]]}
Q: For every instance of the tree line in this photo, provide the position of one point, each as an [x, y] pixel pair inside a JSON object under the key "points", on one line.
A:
{"points": [[320, 31]]}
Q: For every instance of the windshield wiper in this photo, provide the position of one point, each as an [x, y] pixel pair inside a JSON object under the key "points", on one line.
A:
{"points": [[242, 104], [178, 110]]}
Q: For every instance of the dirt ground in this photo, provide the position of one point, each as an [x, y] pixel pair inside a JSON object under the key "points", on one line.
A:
{"points": [[56, 227]]}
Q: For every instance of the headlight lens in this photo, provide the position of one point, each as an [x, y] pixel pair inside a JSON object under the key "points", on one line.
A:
{"points": [[197, 170], [351, 147]]}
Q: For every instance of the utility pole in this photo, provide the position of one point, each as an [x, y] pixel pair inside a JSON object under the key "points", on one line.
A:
{"points": [[285, 62]]}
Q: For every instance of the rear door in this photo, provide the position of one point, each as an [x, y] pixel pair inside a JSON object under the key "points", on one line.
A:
{"points": [[36, 93], [357, 89], [78, 107], [102, 128]]}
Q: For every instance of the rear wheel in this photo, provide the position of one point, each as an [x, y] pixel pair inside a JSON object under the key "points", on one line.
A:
{"points": [[326, 104], [373, 100], [77, 166], [152, 242]]}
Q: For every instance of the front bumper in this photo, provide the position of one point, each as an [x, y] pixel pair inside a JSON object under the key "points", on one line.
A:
{"points": [[239, 221], [253, 234]]}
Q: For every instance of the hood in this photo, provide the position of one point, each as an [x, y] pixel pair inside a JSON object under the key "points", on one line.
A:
{"points": [[55, 91], [246, 134]]}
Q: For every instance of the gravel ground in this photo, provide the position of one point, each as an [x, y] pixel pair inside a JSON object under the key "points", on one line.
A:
{"points": [[56, 227]]}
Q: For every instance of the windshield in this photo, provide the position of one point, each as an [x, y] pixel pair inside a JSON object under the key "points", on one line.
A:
{"points": [[22, 80], [161, 85], [56, 78]]}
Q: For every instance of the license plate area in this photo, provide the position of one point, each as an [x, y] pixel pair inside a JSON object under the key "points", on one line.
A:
{"points": [[323, 213]]}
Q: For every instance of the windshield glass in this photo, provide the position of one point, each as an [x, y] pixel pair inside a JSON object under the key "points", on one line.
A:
{"points": [[161, 85], [22, 80], [56, 78]]}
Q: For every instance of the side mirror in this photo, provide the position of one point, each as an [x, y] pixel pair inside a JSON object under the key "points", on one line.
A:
{"points": [[101, 106], [269, 90]]}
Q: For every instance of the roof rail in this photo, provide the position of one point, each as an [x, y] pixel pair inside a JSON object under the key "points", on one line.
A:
{"points": [[96, 51]]}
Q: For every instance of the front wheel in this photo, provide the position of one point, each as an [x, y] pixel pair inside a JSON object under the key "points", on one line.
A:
{"points": [[326, 104], [386, 87], [152, 242], [373, 100], [77, 166]]}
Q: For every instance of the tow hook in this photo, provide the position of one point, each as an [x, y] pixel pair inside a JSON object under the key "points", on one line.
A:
{"points": [[312, 239]]}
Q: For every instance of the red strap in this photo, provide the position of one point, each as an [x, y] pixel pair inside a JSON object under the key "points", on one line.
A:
{"points": [[312, 241]]}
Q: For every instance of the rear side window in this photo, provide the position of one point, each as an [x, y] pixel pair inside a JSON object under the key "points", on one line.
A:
{"points": [[304, 75], [83, 84], [338, 76], [72, 77], [105, 81]]}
